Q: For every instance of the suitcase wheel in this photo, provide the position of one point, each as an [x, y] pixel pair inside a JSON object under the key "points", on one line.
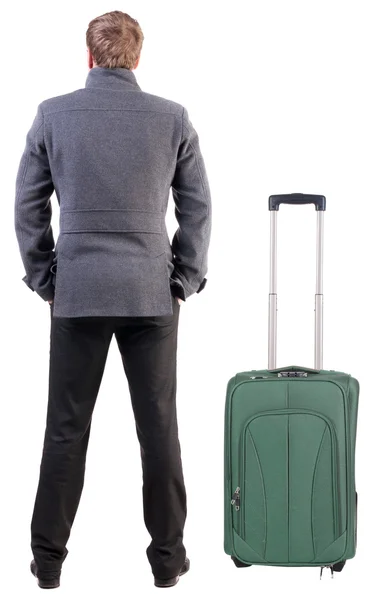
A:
{"points": [[238, 563], [337, 567]]}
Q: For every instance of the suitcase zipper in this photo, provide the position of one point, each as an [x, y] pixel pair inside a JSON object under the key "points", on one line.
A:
{"points": [[326, 567], [236, 499]]}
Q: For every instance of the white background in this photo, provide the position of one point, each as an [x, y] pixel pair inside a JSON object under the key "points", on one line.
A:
{"points": [[287, 96]]}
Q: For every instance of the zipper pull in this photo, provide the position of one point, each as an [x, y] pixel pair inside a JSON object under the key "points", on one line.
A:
{"points": [[236, 498], [326, 567]]}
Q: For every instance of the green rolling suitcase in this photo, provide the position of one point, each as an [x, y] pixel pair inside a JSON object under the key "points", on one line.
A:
{"points": [[289, 452]]}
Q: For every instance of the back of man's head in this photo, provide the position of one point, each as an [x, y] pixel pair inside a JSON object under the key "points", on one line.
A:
{"points": [[114, 40]]}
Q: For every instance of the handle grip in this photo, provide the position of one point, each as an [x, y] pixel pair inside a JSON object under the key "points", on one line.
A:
{"points": [[318, 201]]}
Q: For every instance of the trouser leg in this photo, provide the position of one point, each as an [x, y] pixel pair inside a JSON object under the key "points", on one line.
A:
{"points": [[78, 352], [148, 348]]}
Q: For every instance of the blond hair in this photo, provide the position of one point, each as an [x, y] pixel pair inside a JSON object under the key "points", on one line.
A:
{"points": [[114, 40]]}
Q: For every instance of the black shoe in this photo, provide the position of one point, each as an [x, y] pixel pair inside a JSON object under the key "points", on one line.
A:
{"points": [[52, 582], [173, 580]]}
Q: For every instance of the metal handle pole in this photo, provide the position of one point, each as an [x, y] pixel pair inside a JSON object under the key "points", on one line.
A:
{"points": [[272, 358], [319, 298]]}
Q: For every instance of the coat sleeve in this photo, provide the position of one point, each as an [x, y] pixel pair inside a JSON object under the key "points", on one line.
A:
{"points": [[33, 211], [192, 197]]}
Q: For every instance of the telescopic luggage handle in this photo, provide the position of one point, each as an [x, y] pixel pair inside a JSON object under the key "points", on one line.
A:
{"points": [[318, 201], [320, 204]]}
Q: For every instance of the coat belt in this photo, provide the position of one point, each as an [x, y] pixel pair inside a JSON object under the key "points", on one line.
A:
{"points": [[112, 220]]}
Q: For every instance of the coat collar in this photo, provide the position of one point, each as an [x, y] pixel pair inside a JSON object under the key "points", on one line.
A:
{"points": [[117, 78]]}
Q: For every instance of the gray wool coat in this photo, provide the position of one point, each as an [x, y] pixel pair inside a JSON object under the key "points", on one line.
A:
{"points": [[112, 153]]}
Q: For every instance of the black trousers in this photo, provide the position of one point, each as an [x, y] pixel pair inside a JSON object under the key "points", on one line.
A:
{"points": [[78, 352]]}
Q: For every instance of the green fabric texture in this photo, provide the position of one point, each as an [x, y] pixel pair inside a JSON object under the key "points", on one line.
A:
{"points": [[289, 458]]}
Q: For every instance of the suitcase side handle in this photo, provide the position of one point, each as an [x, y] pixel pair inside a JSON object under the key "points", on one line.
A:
{"points": [[276, 200]]}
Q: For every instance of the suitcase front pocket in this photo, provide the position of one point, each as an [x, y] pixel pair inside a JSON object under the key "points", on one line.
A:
{"points": [[289, 492]]}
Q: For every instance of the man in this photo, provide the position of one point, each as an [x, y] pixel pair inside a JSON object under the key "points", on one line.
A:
{"points": [[111, 153]]}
